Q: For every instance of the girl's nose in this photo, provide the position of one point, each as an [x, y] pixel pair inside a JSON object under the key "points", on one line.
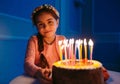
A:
{"points": [[46, 26]]}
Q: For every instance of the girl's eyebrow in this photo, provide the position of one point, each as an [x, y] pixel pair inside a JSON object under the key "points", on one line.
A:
{"points": [[39, 21], [50, 19], [47, 20]]}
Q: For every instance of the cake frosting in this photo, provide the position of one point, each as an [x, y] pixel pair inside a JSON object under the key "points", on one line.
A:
{"points": [[67, 64]]}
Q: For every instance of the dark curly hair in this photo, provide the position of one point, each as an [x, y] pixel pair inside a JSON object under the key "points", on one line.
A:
{"points": [[44, 8]]}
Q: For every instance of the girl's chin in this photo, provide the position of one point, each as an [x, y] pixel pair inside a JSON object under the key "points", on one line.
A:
{"points": [[49, 36]]}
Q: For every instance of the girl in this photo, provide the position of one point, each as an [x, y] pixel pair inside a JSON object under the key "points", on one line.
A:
{"points": [[42, 50]]}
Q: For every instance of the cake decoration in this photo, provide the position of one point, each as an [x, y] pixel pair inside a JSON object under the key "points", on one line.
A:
{"points": [[78, 64], [73, 50]]}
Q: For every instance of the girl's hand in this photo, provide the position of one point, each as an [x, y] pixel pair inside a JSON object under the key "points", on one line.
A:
{"points": [[105, 73], [46, 73]]}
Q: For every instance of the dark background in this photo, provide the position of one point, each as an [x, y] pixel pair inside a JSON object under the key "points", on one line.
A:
{"points": [[95, 19]]}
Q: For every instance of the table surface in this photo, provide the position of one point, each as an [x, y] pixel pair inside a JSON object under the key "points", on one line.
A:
{"points": [[24, 79], [114, 78]]}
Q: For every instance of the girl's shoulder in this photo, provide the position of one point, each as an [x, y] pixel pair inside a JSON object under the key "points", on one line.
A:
{"points": [[60, 37], [33, 38]]}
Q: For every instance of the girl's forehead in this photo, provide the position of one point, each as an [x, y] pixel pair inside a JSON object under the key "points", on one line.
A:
{"points": [[45, 13], [45, 17]]}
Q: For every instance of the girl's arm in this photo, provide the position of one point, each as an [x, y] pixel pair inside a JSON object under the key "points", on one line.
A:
{"points": [[29, 62]]}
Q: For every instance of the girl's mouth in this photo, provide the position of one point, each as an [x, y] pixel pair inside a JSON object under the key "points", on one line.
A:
{"points": [[48, 31]]}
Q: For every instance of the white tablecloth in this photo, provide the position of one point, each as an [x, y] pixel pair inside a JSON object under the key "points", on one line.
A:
{"points": [[114, 78], [24, 79]]}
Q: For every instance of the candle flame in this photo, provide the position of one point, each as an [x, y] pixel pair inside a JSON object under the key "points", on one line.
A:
{"points": [[90, 42], [85, 42], [76, 42], [72, 41], [65, 42], [81, 41], [59, 43]]}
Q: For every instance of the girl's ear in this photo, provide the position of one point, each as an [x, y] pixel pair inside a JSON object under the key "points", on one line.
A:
{"points": [[57, 22]]}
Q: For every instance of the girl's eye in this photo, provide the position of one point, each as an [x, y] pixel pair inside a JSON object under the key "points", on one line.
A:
{"points": [[50, 22], [40, 25]]}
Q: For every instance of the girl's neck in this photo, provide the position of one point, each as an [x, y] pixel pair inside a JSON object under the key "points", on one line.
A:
{"points": [[49, 40]]}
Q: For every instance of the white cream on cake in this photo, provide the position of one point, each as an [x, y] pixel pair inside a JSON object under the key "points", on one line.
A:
{"points": [[67, 64]]}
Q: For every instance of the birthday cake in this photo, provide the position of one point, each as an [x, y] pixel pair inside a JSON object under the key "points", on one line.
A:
{"points": [[77, 71], [80, 73]]}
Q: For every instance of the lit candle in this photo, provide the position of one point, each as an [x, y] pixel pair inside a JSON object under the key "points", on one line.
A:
{"points": [[70, 49], [65, 45], [67, 50], [72, 42], [77, 43], [91, 48], [85, 47], [76, 46], [60, 49], [81, 42]]}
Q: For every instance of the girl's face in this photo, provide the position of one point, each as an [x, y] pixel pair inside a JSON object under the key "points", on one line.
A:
{"points": [[47, 24]]}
